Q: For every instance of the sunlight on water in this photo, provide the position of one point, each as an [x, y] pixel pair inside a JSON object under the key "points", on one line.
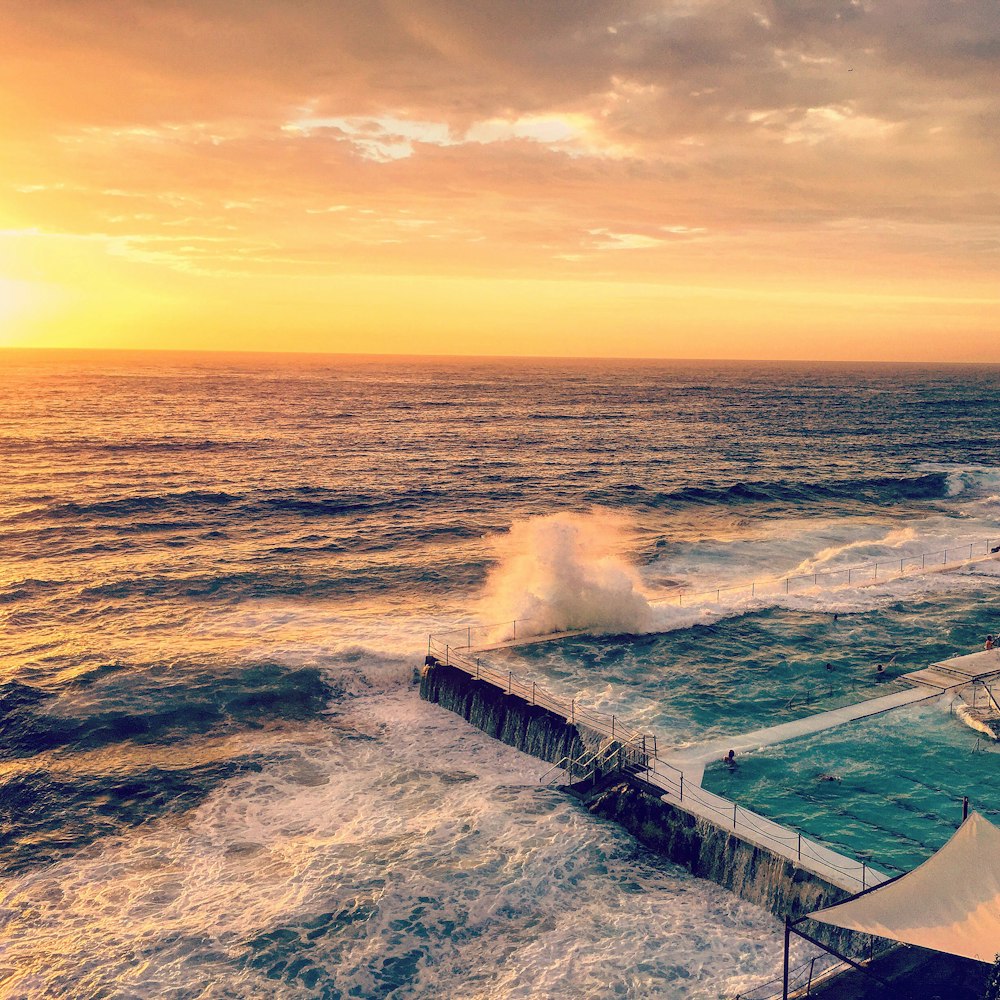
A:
{"points": [[218, 577]]}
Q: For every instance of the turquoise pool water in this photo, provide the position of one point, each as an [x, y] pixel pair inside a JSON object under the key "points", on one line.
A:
{"points": [[899, 782]]}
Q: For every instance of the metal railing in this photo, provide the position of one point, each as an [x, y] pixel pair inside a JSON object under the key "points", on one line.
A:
{"points": [[812, 972], [531, 692], [471, 637], [801, 978], [661, 773], [881, 570]]}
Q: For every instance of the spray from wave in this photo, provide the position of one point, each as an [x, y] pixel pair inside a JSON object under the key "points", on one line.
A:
{"points": [[566, 571], [570, 572]]}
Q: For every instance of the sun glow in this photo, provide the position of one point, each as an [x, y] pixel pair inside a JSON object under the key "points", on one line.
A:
{"points": [[18, 299]]}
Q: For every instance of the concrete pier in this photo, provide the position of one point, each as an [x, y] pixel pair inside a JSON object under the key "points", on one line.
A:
{"points": [[755, 858]]}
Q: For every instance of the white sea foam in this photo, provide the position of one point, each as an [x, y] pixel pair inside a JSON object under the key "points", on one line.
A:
{"points": [[567, 571], [426, 855], [572, 571]]}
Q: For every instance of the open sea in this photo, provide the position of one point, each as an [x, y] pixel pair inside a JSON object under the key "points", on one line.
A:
{"points": [[217, 578]]}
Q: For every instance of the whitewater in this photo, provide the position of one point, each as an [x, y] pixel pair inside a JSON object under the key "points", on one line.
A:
{"points": [[218, 577]]}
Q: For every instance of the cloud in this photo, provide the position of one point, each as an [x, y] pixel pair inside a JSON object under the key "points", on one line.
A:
{"points": [[506, 136]]}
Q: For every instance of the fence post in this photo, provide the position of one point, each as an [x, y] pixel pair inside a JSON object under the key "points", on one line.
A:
{"points": [[514, 623], [945, 560], [788, 934], [923, 560]]}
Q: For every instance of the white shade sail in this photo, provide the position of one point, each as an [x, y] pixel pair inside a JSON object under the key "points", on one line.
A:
{"points": [[950, 903]]}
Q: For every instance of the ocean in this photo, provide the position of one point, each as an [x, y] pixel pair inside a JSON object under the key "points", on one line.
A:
{"points": [[218, 576]]}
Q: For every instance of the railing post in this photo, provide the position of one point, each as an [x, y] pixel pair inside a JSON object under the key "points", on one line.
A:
{"points": [[532, 693], [682, 787], [923, 560], [849, 576], [734, 815], [945, 560], [788, 933], [510, 680], [753, 588], [900, 567], [470, 637], [447, 656], [800, 847], [864, 876], [612, 727], [428, 645], [876, 572], [572, 711], [786, 584], [514, 623]]}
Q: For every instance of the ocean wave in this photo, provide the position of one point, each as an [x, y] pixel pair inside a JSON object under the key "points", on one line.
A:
{"points": [[147, 703], [50, 815], [879, 490]]}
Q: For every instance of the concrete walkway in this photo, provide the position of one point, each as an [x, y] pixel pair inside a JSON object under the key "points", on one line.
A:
{"points": [[693, 760]]}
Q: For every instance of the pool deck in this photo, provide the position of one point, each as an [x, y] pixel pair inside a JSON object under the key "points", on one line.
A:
{"points": [[946, 675], [692, 761]]}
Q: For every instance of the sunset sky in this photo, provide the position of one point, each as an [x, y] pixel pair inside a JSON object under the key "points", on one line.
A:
{"points": [[782, 179]]}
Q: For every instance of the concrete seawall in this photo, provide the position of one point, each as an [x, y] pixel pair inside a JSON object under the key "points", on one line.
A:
{"points": [[507, 718], [705, 848]]}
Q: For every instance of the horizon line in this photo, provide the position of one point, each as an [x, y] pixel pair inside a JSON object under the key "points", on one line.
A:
{"points": [[375, 355]]}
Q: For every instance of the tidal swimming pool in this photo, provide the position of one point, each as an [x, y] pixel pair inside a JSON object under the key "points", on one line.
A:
{"points": [[887, 789]]}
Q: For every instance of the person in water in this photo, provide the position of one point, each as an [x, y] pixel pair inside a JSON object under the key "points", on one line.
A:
{"points": [[989, 642], [730, 760]]}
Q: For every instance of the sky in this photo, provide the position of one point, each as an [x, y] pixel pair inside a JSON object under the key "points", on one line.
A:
{"points": [[801, 179]]}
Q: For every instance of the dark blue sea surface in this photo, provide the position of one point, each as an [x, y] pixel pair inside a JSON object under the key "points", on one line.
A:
{"points": [[218, 574]]}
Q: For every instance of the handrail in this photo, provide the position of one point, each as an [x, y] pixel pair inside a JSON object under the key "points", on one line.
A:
{"points": [[534, 694], [854, 573]]}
